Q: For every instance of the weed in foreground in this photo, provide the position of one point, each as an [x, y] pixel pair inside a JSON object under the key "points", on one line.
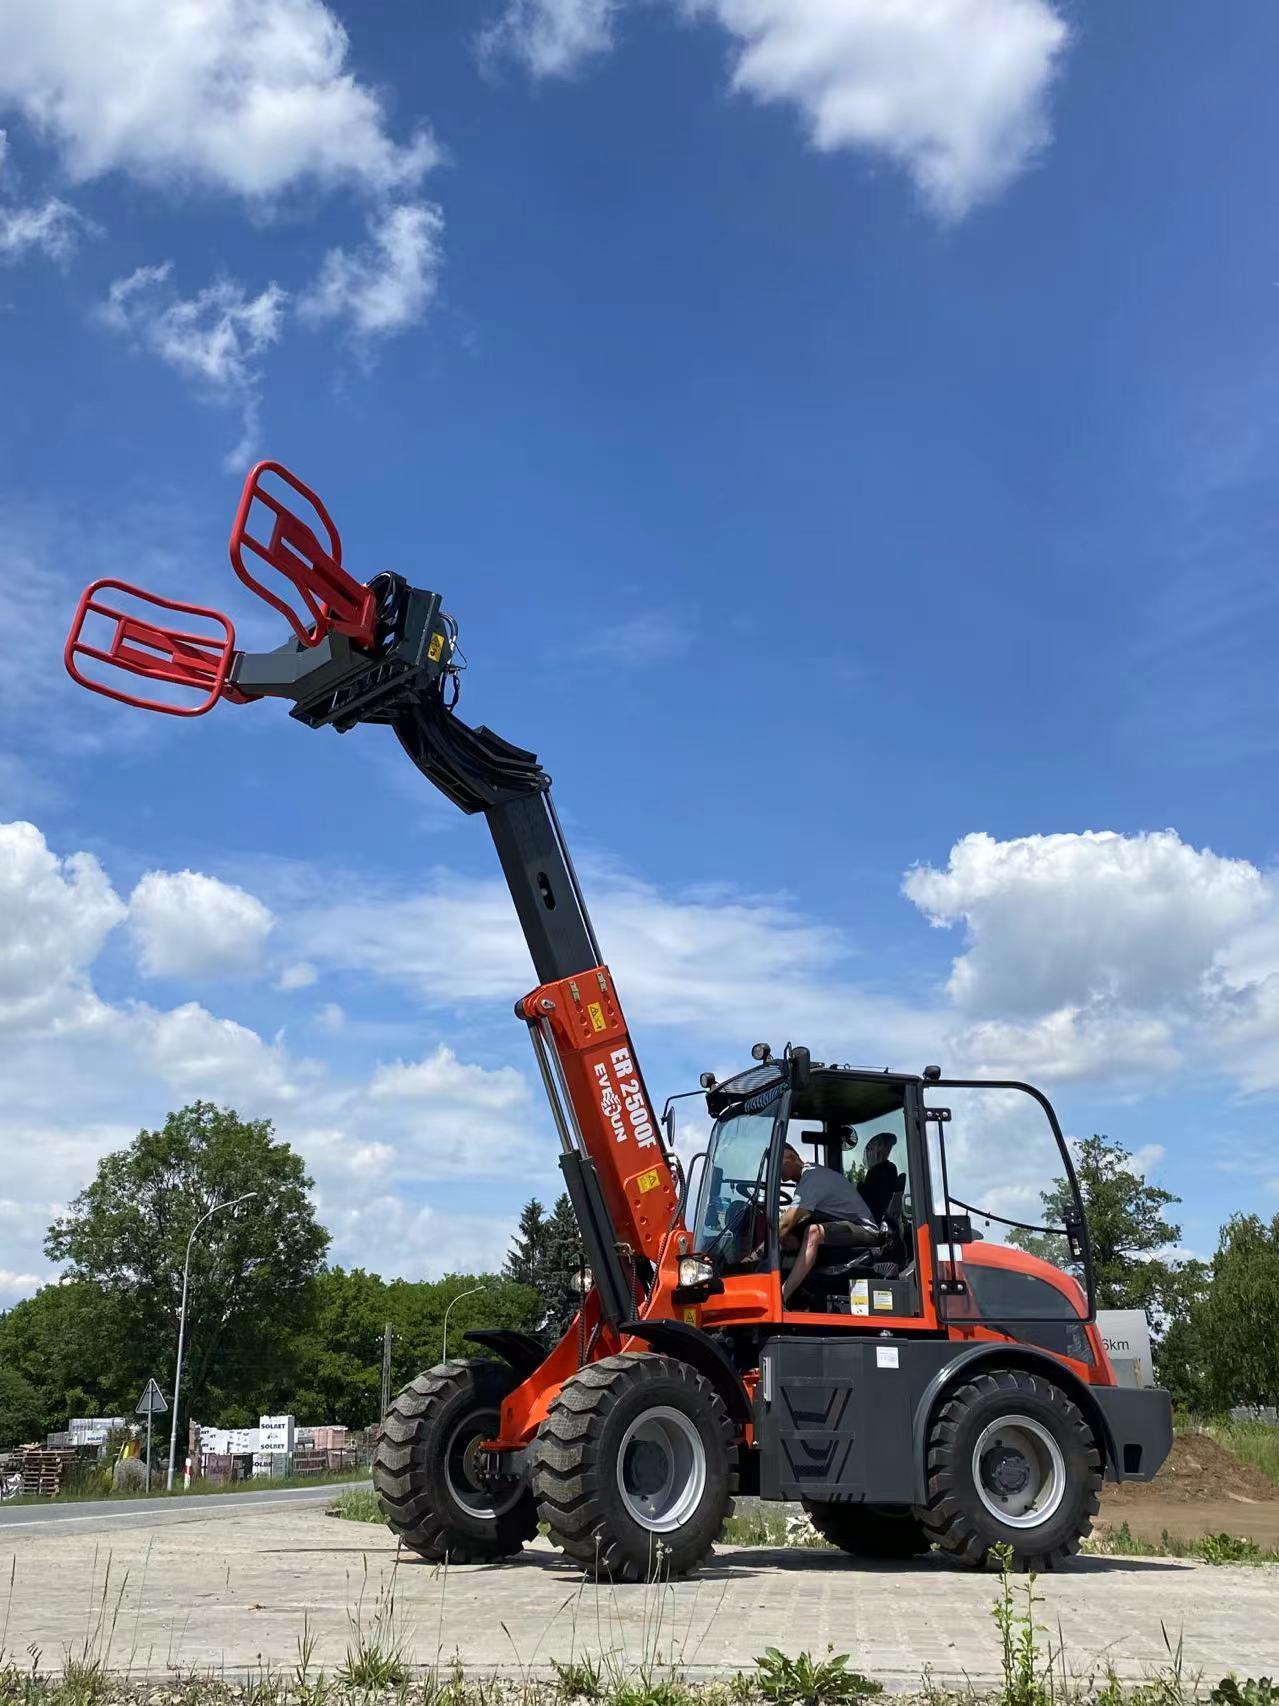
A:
{"points": [[806, 1681], [583, 1679], [1208, 1548], [376, 1657], [357, 1504], [1253, 1691]]}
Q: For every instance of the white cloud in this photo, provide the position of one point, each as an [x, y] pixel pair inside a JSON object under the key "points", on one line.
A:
{"points": [[14, 1286], [83, 1074], [186, 925], [551, 38], [251, 97], [53, 230], [722, 968], [1069, 1044], [443, 1077], [210, 338], [387, 285], [55, 915], [953, 90], [415, 1241], [213, 339], [299, 975], [1056, 920]]}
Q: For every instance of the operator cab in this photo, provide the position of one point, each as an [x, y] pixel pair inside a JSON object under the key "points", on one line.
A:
{"points": [[959, 1178], [830, 1115]]}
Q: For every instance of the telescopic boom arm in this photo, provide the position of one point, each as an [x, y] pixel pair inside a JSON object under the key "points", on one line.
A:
{"points": [[385, 652]]}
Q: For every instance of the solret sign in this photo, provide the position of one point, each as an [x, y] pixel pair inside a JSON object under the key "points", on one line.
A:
{"points": [[1127, 1336]]}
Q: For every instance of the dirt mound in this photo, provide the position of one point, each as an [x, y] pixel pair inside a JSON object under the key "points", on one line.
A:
{"points": [[1197, 1470]]}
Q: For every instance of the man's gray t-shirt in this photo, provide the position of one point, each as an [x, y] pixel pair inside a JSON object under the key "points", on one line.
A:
{"points": [[827, 1195]]}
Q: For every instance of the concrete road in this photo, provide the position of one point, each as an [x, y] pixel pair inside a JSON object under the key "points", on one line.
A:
{"points": [[234, 1589], [148, 1513]]}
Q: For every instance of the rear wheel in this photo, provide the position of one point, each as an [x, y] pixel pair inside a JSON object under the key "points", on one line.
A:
{"points": [[869, 1531], [634, 1467], [1011, 1462], [424, 1468]]}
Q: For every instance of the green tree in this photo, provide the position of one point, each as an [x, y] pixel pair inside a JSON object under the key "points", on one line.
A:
{"points": [[526, 1260], [336, 1358], [1238, 1321], [1127, 1230], [416, 1311], [1126, 1224], [21, 1416], [564, 1258], [251, 1268], [71, 1342]]}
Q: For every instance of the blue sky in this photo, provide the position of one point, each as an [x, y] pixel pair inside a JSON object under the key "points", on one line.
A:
{"points": [[846, 445]]}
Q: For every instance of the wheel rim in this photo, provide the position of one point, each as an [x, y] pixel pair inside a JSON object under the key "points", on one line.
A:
{"points": [[661, 1469], [1019, 1471], [460, 1466]]}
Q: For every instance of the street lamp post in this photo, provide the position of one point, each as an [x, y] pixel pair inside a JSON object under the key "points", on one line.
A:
{"points": [[444, 1351], [182, 1322]]}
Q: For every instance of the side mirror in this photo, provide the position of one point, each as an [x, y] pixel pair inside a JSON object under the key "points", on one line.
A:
{"points": [[801, 1068]]}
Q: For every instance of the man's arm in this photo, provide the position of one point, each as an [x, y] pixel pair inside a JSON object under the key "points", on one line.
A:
{"points": [[792, 1218]]}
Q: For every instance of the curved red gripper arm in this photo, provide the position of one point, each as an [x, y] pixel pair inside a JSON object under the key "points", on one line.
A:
{"points": [[332, 599], [155, 652]]}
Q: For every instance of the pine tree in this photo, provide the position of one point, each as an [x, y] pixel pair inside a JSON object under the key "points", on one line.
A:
{"points": [[526, 1260], [564, 1262]]}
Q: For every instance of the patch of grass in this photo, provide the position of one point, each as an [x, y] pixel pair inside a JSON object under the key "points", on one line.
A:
{"points": [[1207, 1548], [806, 1681], [97, 1486], [376, 1653], [1256, 1443], [359, 1505], [642, 1691], [1253, 1691], [580, 1679], [756, 1525]]}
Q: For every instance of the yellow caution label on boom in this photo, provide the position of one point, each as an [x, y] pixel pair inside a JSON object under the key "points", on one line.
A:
{"points": [[598, 1021]]}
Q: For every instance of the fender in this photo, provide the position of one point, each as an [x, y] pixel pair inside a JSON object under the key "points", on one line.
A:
{"points": [[699, 1350], [521, 1351], [1024, 1356]]}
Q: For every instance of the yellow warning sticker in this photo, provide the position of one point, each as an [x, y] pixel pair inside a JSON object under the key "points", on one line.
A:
{"points": [[598, 1021], [649, 1181], [435, 650], [690, 1317], [882, 1299]]}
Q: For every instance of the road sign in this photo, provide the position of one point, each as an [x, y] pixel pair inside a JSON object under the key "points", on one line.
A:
{"points": [[151, 1402]]}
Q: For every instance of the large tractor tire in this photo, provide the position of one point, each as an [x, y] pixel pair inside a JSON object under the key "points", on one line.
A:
{"points": [[424, 1469], [1011, 1462], [634, 1468], [869, 1531]]}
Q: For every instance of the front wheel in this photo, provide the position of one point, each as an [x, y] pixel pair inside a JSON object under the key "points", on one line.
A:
{"points": [[634, 1467], [424, 1469], [1012, 1462]]}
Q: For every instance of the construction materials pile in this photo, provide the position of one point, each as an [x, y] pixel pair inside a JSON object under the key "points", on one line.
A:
{"points": [[37, 1471]]}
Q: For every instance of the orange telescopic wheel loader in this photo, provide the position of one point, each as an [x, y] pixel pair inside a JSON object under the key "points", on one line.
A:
{"points": [[924, 1384]]}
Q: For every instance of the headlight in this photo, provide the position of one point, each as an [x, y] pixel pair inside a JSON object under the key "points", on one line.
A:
{"points": [[580, 1281], [696, 1270]]}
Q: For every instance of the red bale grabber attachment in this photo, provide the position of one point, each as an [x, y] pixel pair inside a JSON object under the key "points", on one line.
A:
{"points": [[112, 627], [331, 598], [357, 653]]}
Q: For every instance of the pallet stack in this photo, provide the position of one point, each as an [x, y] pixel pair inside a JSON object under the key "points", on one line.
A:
{"points": [[41, 1469]]}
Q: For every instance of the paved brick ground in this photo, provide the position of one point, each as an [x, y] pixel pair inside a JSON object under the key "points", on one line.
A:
{"points": [[231, 1592]]}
